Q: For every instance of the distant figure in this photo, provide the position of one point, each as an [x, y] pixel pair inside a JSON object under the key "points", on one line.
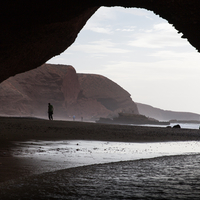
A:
{"points": [[74, 117], [50, 111]]}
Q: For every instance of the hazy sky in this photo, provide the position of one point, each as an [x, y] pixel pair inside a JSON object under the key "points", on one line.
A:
{"points": [[142, 53]]}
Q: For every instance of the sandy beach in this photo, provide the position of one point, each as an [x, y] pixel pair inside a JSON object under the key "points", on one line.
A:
{"points": [[22, 129], [16, 130]]}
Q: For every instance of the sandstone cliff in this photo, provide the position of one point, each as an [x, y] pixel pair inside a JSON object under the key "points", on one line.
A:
{"points": [[83, 95], [107, 93]]}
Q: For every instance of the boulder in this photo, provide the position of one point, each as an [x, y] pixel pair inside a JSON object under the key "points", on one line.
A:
{"points": [[177, 126]]}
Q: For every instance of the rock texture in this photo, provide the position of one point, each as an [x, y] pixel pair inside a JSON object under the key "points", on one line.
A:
{"points": [[34, 31], [166, 115], [83, 95], [106, 92]]}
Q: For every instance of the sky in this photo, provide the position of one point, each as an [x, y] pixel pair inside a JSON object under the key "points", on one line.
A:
{"points": [[142, 53]]}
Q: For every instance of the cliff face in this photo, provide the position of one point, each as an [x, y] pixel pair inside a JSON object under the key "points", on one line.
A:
{"points": [[70, 87], [82, 95], [107, 93], [34, 31], [165, 115]]}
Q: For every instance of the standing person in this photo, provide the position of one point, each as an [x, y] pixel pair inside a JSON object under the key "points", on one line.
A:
{"points": [[50, 111]]}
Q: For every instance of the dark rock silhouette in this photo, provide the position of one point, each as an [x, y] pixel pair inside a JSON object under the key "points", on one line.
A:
{"points": [[86, 96], [32, 32], [127, 118], [177, 126]]}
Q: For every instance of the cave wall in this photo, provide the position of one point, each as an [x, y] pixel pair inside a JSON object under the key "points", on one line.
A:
{"points": [[34, 31]]}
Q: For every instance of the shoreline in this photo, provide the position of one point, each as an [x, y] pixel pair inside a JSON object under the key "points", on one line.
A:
{"points": [[26, 129]]}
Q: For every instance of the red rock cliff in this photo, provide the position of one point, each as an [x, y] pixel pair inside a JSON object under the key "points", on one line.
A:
{"points": [[83, 95], [107, 92], [70, 86]]}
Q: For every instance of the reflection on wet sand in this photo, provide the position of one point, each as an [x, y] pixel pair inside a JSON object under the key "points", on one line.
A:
{"points": [[49, 156], [91, 170]]}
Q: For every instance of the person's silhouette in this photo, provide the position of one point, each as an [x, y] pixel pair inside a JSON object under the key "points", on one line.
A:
{"points": [[50, 111]]}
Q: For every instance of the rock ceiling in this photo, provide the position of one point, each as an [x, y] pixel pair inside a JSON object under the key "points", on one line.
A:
{"points": [[34, 31]]}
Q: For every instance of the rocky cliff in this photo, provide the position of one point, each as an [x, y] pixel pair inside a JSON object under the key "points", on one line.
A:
{"points": [[107, 93], [165, 115], [83, 95]]}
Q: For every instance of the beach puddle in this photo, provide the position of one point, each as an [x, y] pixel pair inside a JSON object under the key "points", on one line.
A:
{"points": [[49, 156]]}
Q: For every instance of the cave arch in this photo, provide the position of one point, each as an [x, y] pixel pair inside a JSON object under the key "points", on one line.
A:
{"points": [[34, 31]]}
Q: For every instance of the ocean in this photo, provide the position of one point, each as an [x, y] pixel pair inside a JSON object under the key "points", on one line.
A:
{"points": [[183, 125]]}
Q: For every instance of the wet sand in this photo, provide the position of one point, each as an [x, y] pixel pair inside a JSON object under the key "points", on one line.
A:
{"points": [[166, 178], [26, 129]]}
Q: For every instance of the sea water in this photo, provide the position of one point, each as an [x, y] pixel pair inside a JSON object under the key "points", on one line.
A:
{"points": [[182, 125]]}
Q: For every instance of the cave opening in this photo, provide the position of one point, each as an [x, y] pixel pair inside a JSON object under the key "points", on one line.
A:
{"points": [[142, 53]]}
